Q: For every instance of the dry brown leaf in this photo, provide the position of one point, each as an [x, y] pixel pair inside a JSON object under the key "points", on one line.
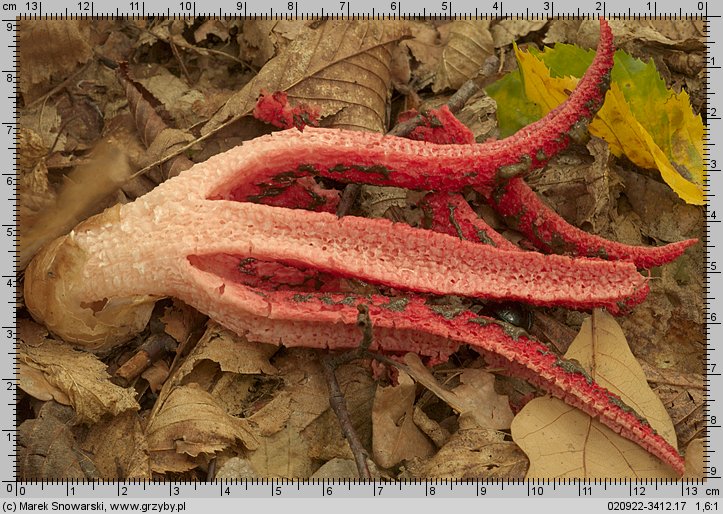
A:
{"points": [[396, 437], [260, 39], [337, 469], [469, 44], [425, 51], [475, 453], [635, 36], [340, 66], [118, 448], [80, 377], [231, 351], [50, 49], [156, 375], [47, 449], [181, 320], [296, 427], [563, 442], [79, 198], [695, 457], [324, 435], [189, 424], [507, 31], [475, 399]]}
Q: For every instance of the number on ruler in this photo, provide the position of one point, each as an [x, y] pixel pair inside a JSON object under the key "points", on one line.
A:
{"points": [[84, 6], [135, 6], [446, 6], [240, 6], [291, 6], [638, 491], [598, 6], [713, 317], [32, 6], [546, 6], [186, 6], [701, 6], [496, 6], [711, 367], [342, 6]]}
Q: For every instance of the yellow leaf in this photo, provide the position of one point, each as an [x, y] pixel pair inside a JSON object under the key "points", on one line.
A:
{"points": [[564, 442], [617, 124]]}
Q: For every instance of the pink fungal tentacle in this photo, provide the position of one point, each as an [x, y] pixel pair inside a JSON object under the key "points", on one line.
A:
{"points": [[452, 215], [547, 230]]}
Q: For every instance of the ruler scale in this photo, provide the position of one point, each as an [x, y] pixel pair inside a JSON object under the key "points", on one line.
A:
{"points": [[688, 495]]}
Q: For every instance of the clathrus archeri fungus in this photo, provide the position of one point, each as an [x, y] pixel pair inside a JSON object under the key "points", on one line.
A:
{"points": [[248, 238]]}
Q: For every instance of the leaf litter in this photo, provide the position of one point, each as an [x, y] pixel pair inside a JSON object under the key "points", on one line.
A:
{"points": [[256, 411]]}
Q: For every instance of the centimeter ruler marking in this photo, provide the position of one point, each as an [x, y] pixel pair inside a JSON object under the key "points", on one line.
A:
{"points": [[378, 9]]}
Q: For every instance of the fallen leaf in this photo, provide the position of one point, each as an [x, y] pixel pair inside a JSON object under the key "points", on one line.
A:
{"points": [[180, 321], [508, 31], [296, 426], [340, 66], [669, 139], [337, 469], [118, 448], [463, 54], [260, 39], [396, 437], [156, 375], [47, 449], [190, 424], [564, 442], [50, 49], [232, 352], [475, 453], [78, 377], [475, 399], [695, 460]]}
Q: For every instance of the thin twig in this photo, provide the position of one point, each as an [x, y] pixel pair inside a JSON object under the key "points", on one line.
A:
{"points": [[337, 401]]}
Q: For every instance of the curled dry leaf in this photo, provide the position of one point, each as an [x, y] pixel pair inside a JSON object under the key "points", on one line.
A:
{"points": [[396, 437], [563, 442], [78, 377], [475, 399], [231, 351], [189, 424], [342, 66], [469, 44]]}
